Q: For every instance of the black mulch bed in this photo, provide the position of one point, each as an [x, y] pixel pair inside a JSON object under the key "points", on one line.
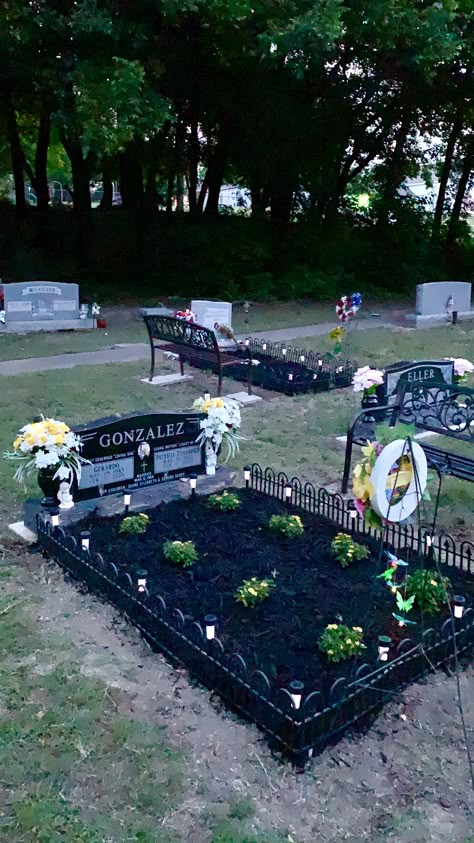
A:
{"points": [[280, 636], [288, 377]]}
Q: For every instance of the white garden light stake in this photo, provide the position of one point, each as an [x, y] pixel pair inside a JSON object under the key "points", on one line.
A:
{"points": [[247, 473], [296, 692], [290, 377], [283, 351], [384, 647], [210, 622], [85, 539], [459, 604], [142, 580], [302, 358], [55, 517], [264, 346], [127, 500], [352, 511]]}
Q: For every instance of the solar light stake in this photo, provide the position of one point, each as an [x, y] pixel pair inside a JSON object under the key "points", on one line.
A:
{"points": [[264, 346], [283, 351], [142, 580], [302, 358], [126, 501], [193, 484], [459, 605], [210, 622], [320, 364], [54, 517], [207, 396], [351, 509], [290, 377], [288, 491], [247, 473], [384, 647], [296, 692], [85, 539]]}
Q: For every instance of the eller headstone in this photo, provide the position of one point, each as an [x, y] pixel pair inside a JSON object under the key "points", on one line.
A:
{"points": [[42, 305], [212, 314], [421, 373], [135, 451], [435, 302]]}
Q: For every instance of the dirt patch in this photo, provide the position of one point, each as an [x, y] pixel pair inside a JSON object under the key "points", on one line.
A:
{"points": [[405, 781]]}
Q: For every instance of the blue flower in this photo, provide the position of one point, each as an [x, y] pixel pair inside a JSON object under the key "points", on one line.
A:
{"points": [[356, 300]]}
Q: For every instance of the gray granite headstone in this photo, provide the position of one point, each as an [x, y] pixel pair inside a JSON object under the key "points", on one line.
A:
{"points": [[422, 373], [432, 301], [212, 314], [39, 301]]}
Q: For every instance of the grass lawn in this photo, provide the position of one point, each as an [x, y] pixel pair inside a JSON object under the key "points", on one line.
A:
{"points": [[296, 435], [121, 328]]}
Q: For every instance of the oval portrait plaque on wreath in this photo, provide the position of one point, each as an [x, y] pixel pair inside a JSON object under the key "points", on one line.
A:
{"points": [[399, 478]]}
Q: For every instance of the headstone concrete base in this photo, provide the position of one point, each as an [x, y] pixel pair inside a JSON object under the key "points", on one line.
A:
{"points": [[165, 380], [48, 325], [244, 398], [439, 319], [141, 499]]}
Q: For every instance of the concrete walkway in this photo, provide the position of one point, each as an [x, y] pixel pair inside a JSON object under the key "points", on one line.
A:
{"points": [[131, 352]]}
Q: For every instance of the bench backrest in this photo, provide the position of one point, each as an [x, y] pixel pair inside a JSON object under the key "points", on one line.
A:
{"points": [[178, 331], [448, 410]]}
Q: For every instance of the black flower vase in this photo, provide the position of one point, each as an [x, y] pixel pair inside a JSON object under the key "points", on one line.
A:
{"points": [[369, 402], [49, 485]]}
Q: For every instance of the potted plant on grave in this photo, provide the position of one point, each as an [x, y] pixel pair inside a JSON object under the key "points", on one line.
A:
{"points": [[462, 368], [220, 427], [367, 380], [49, 448]]}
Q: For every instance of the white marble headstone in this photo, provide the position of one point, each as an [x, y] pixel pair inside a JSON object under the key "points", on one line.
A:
{"points": [[211, 314]]}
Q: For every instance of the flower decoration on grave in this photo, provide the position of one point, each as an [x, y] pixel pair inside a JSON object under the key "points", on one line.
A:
{"points": [[95, 310], [347, 307], [220, 426], [2, 317], [339, 642], [48, 446], [362, 485], [83, 311], [462, 368], [367, 380], [187, 315], [254, 591]]}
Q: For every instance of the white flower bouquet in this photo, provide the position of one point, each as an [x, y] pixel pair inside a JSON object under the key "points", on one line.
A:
{"points": [[462, 368], [47, 444], [367, 380], [221, 425]]}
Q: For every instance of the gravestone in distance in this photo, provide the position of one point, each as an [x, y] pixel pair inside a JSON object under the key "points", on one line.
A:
{"points": [[42, 305], [211, 314], [432, 302], [421, 373], [131, 452]]}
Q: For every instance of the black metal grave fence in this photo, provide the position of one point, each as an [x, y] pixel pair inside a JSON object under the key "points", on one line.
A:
{"points": [[321, 717]]}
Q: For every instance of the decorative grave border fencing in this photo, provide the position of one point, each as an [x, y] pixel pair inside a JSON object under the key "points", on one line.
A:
{"points": [[285, 368], [321, 718]]}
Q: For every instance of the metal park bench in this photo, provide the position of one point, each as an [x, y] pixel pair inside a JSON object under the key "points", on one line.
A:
{"points": [[437, 408], [192, 343]]}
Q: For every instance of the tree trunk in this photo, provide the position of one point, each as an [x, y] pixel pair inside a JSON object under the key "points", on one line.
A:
{"points": [[468, 165], [443, 184], [41, 162], [169, 195], [150, 192], [281, 206], [194, 155], [131, 178], [179, 162], [202, 195], [395, 173], [17, 155], [215, 177], [259, 201], [80, 167], [107, 183]]}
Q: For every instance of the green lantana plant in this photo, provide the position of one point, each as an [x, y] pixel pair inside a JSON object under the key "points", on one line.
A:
{"points": [[183, 554], [226, 502], [134, 525], [290, 526], [339, 642], [346, 550], [254, 591]]}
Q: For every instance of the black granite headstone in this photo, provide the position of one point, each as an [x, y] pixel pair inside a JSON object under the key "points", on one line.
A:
{"points": [[421, 373], [130, 452]]}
